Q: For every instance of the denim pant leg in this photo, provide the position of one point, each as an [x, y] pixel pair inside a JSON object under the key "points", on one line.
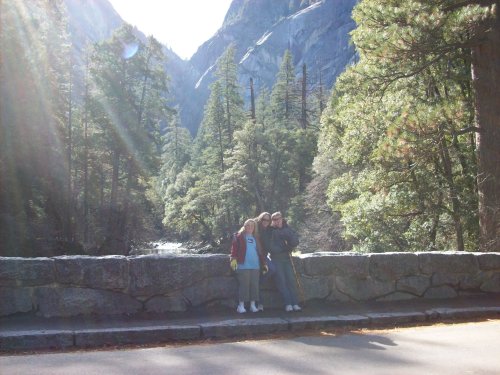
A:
{"points": [[282, 283], [291, 283]]}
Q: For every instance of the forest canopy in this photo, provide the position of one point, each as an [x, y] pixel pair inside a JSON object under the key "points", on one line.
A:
{"points": [[403, 156]]}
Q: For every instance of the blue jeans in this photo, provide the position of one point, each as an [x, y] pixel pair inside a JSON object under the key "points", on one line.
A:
{"points": [[285, 281]]}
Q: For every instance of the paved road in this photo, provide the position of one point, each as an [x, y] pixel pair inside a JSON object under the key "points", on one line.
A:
{"points": [[468, 348]]}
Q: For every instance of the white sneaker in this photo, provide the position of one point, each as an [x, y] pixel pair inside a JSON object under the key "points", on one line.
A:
{"points": [[241, 309], [296, 308], [260, 307], [288, 308], [253, 308]]}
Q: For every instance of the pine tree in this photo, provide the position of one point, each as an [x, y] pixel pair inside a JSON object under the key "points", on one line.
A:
{"points": [[285, 96], [227, 76], [129, 88], [34, 100], [203, 205], [408, 38], [401, 162]]}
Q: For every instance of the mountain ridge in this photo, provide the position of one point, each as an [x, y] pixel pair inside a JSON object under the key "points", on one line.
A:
{"points": [[315, 31]]}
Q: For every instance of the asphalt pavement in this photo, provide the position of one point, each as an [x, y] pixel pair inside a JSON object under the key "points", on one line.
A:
{"points": [[21, 333], [436, 349]]}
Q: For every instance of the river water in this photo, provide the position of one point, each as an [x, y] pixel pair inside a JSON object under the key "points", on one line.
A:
{"points": [[161, 247]]}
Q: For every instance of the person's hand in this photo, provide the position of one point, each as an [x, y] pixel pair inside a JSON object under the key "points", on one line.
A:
{"points": [[265, 269], [234, 264]]}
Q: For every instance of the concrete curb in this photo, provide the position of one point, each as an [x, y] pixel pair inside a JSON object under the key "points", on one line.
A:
{"points": [[37, 340], [243, 327], [134, 335], [302, 323], [59, 339], [462, 312]]}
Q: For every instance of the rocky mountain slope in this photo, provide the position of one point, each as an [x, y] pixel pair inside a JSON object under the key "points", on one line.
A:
{"points": [[316, 32], [93, 21]]}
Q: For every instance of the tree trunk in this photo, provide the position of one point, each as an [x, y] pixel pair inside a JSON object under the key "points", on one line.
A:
{"points": [[259, 204], [86, 156], [252, 101], [303, 115], [486, 83], [321, 99], [113, 201], [228, 113], [69, 201], [455, 202], [125, 228], [275, 180]]}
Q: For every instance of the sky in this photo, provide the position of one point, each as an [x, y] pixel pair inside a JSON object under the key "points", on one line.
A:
{"points": [[183, 25]]}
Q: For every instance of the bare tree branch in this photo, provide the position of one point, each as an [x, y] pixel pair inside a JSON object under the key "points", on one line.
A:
{"points": [[465, 3], [469, 129]]}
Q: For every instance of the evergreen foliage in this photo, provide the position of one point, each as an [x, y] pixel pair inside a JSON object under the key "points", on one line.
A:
{"points": [[77, 170], [404, 174], [404, 157], [242, 166], [34, 75]]}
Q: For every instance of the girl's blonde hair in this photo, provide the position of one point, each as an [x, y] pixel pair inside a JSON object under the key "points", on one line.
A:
{"points": [[247, 223]]}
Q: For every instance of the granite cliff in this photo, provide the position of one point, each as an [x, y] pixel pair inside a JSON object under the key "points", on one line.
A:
{"points": [[316, 32]]}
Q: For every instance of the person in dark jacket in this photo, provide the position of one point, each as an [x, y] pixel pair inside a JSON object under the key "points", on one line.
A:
{"points": [[247, 259], [263, 226], [280, 241]]}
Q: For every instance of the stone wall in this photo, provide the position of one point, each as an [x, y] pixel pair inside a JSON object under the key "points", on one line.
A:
{"points": [[75, 285]]}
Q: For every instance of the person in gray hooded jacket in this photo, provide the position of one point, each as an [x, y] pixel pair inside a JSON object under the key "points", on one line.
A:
{"points": [[280, 241]]}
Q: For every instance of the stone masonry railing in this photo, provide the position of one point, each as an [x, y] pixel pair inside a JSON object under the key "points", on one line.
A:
{"points": [[76, 285]]}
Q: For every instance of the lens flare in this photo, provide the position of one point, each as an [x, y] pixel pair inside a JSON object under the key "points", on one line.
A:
{"points": [[129, 50]]}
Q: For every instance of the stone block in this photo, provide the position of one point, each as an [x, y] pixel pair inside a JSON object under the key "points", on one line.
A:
{"points": [[270, 299], [315, 287], [15, 300], [488, 261], [451, 279], [492, 283], [397, 296], [336, 296], [298, 264], [364, 289], [108, 272], [161, 304], [335, 264], [473, 282], [267, 283], [155, 275], [26, 271], [416, 285], [211, 289], [391, 266], [452, 262], [80, 301], [230, 304], [440, 292], [471, 294]]}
